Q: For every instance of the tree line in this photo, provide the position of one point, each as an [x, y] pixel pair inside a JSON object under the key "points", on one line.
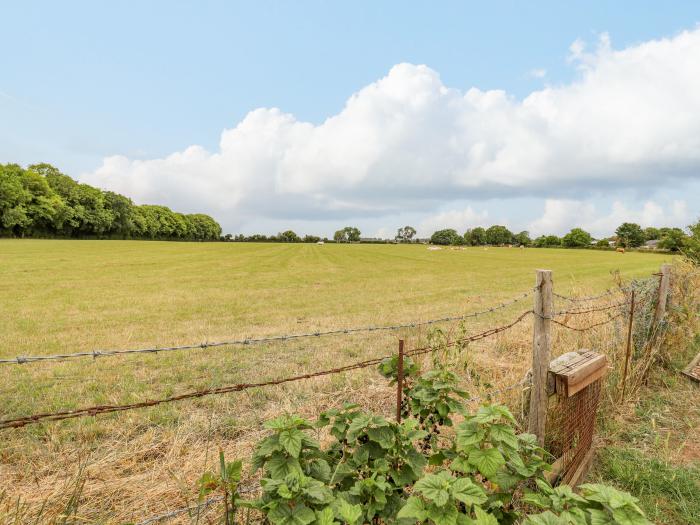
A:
{"points": [[627, 235], [40, 201]]}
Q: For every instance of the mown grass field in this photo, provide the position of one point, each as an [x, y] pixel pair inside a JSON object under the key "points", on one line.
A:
{"points": [[69, 296]]}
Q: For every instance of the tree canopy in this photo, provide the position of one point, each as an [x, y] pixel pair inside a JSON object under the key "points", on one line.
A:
{"points": [[497, 235], [40, 201], [446, 237], [347, 234], [577, 238], [630, 235]]}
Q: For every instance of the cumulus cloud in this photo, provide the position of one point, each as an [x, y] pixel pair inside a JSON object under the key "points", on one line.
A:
{"points": [[460, 220], [407, 141], [538, 73], [560, 215]]}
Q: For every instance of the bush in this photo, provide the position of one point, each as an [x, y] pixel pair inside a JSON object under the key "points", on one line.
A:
{"points": [[376, 470]]}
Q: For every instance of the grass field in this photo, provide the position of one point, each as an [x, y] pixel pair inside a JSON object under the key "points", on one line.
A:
{"points": [[68, 296]]}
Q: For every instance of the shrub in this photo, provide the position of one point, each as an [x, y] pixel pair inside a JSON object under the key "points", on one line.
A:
{"points": [[377, 470]]}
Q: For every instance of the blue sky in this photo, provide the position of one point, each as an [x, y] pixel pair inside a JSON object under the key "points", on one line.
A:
{"points": [[137, 82]]}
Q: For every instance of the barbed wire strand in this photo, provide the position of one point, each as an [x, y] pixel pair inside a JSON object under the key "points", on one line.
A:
{"points": [[237, 342], [104, 409], [606, 293]]}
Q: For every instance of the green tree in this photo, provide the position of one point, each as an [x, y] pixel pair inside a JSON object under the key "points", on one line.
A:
{"points": [[602, 243], [523, 238], [651, 234], [446, 237], [121, 209], [498, 235], [547, 241], [288, 236], [347, 234], [577, 238], [630, 235], [477, 236], [673, 239], [405, 234], [692, 243]]}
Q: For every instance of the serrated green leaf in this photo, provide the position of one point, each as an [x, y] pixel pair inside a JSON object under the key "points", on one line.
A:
{"points": [[487, 460], [291, 441], [443, 515], [413, 509], [435, 487], [483, 517], [384, 436], [599, 517], [349, 513], [325, 516], [545, 518], [466, 491], [628, 515]]}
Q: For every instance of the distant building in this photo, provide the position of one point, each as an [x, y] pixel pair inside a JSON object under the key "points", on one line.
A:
{"points": [[651, 245]]}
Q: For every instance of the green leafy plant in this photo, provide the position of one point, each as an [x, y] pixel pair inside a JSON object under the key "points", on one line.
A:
{"points": [[226, 482], [375, 470], [595, 505], [444, 499]]}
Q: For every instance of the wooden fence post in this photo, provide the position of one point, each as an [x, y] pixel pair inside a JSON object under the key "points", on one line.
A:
{"points": [[663, 293], [540, 354], [628, 350], [399, 382]]}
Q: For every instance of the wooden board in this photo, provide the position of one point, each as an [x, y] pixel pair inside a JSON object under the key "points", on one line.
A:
{"points": [[574, 371], [693, 369]]}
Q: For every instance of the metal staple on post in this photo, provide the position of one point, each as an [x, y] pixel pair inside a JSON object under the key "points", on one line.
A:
{"points": [[628, 351], [399, 382]]}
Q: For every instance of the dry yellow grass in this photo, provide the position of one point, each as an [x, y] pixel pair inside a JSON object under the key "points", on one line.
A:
{"points": [[73, 296]]}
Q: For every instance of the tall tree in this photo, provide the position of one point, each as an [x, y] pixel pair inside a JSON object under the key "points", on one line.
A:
{"points": [[405, 234], [630, 235]]}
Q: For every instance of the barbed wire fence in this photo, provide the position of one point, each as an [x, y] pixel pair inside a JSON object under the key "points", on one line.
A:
{"points": [[581, 306]]}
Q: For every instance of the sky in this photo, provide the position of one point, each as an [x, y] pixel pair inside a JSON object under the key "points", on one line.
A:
{"points": [[314, 115]]}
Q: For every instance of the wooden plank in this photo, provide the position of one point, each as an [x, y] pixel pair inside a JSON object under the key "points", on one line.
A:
{"points": [[577, 387], [581, 372], [582, 469], [552, 476], [688, 370]]}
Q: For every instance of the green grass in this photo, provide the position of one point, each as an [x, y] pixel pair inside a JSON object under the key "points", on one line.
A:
{"points": [[68, 296], [668, 493], [653, 451], [78, 295]]}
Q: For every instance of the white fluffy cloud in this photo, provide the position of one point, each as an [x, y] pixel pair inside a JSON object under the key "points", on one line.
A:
{"points": [[460, 220], [630, 120], [560, 215]]}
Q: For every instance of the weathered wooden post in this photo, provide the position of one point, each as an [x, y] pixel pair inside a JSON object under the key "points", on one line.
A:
{"points": [[628, 350], [399, 382], [543, 309], [663, 293]]}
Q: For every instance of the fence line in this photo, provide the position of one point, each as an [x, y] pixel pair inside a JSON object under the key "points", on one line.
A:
{"points": [[104, 409], [20, 360]]}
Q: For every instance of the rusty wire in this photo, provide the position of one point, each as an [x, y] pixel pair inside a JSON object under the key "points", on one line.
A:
{"points": [[20, 360], [104, 409]]}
